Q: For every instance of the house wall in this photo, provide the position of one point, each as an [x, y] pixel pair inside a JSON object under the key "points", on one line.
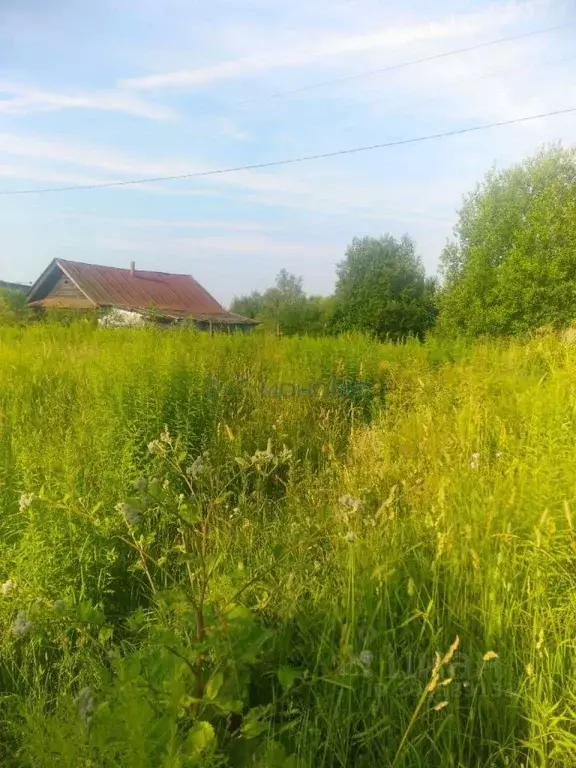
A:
{"points": [[64, 288]]}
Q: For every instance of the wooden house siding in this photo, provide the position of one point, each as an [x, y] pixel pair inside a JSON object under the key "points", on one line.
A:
{"points": [[65, 289]]}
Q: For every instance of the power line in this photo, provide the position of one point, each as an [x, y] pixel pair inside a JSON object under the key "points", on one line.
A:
{"points": [[289, 161], [432, 96], [405, 64]]}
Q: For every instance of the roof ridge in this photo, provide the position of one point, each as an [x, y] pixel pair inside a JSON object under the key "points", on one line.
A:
{"points": [[124, 269]]}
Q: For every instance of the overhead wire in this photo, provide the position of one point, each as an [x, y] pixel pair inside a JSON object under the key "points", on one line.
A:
{"points": [[405, 64], [292, 160]]}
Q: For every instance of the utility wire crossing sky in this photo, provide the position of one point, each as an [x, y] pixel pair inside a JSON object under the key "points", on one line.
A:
{"points": [[306, 158]]}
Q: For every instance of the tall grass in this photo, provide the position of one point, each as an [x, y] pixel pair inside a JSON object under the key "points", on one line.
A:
{"points": [[210, 573]]}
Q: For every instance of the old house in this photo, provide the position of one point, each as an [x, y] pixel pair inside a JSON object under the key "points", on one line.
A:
{"points": [[131, 297]]}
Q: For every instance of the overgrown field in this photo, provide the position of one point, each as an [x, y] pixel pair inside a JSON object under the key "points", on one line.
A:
{"points": [[243, 551]]}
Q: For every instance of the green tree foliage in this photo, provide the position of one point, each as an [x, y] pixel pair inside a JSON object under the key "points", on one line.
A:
{"points": [[248, 306], [286, 307], [13, 307], [382, 288], [512, 266]]}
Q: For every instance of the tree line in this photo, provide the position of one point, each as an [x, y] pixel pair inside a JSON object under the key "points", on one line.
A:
{"points": [[510, 268]]}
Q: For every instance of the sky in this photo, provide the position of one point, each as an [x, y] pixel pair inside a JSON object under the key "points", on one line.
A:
{"points": [[130, 89]]}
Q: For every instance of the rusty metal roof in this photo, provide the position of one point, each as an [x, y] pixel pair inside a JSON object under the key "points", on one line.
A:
{"points": [[110, 286], [178, 295]]}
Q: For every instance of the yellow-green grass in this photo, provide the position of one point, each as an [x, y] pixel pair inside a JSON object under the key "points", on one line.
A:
{"points": [[285, 608]]}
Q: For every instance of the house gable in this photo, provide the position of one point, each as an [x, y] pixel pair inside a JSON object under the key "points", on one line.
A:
{"points": [[56, 288]]}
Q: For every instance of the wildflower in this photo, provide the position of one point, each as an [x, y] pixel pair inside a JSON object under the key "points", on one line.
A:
{"points": [[154, 447], [165, 435], [8, 587], [350, 537], [529, 670], [262, 457], [196, 468], [349, 501], [131, 514], [490, 656], [366, 658], [440, 706], [21, 625], [59, 607], [26, 501], [140, 484], [499, 454], [475, 460], [85, 705]]}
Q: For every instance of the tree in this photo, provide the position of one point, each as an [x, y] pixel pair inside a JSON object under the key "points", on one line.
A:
{"points": [[248, 306], [14, 309], [512, 266], [382, 289], [285, 306]]}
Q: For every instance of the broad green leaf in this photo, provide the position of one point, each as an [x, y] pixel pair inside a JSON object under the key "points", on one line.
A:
{"points": [[200, 737], [253, 728], [287, 676], [214, 685]]}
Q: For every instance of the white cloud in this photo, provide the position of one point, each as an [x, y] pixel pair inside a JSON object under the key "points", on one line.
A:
{"points": [[26, 100], [393, 38], [226, 127], [8, 171]]}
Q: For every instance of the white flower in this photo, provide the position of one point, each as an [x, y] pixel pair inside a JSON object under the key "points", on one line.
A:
{"points": [[26, 501], [475, 462], [21, 625], [263, 456], [140, 484], [154, 446], [349, 501], [85, 705], [351, 537], [498, 454], [366, 658], [165, 435], [59, 607], [8, 587], [131, 514], [196, 468]]}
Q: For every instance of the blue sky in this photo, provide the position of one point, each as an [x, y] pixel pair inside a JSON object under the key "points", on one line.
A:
{"points": [[119, 89]]}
